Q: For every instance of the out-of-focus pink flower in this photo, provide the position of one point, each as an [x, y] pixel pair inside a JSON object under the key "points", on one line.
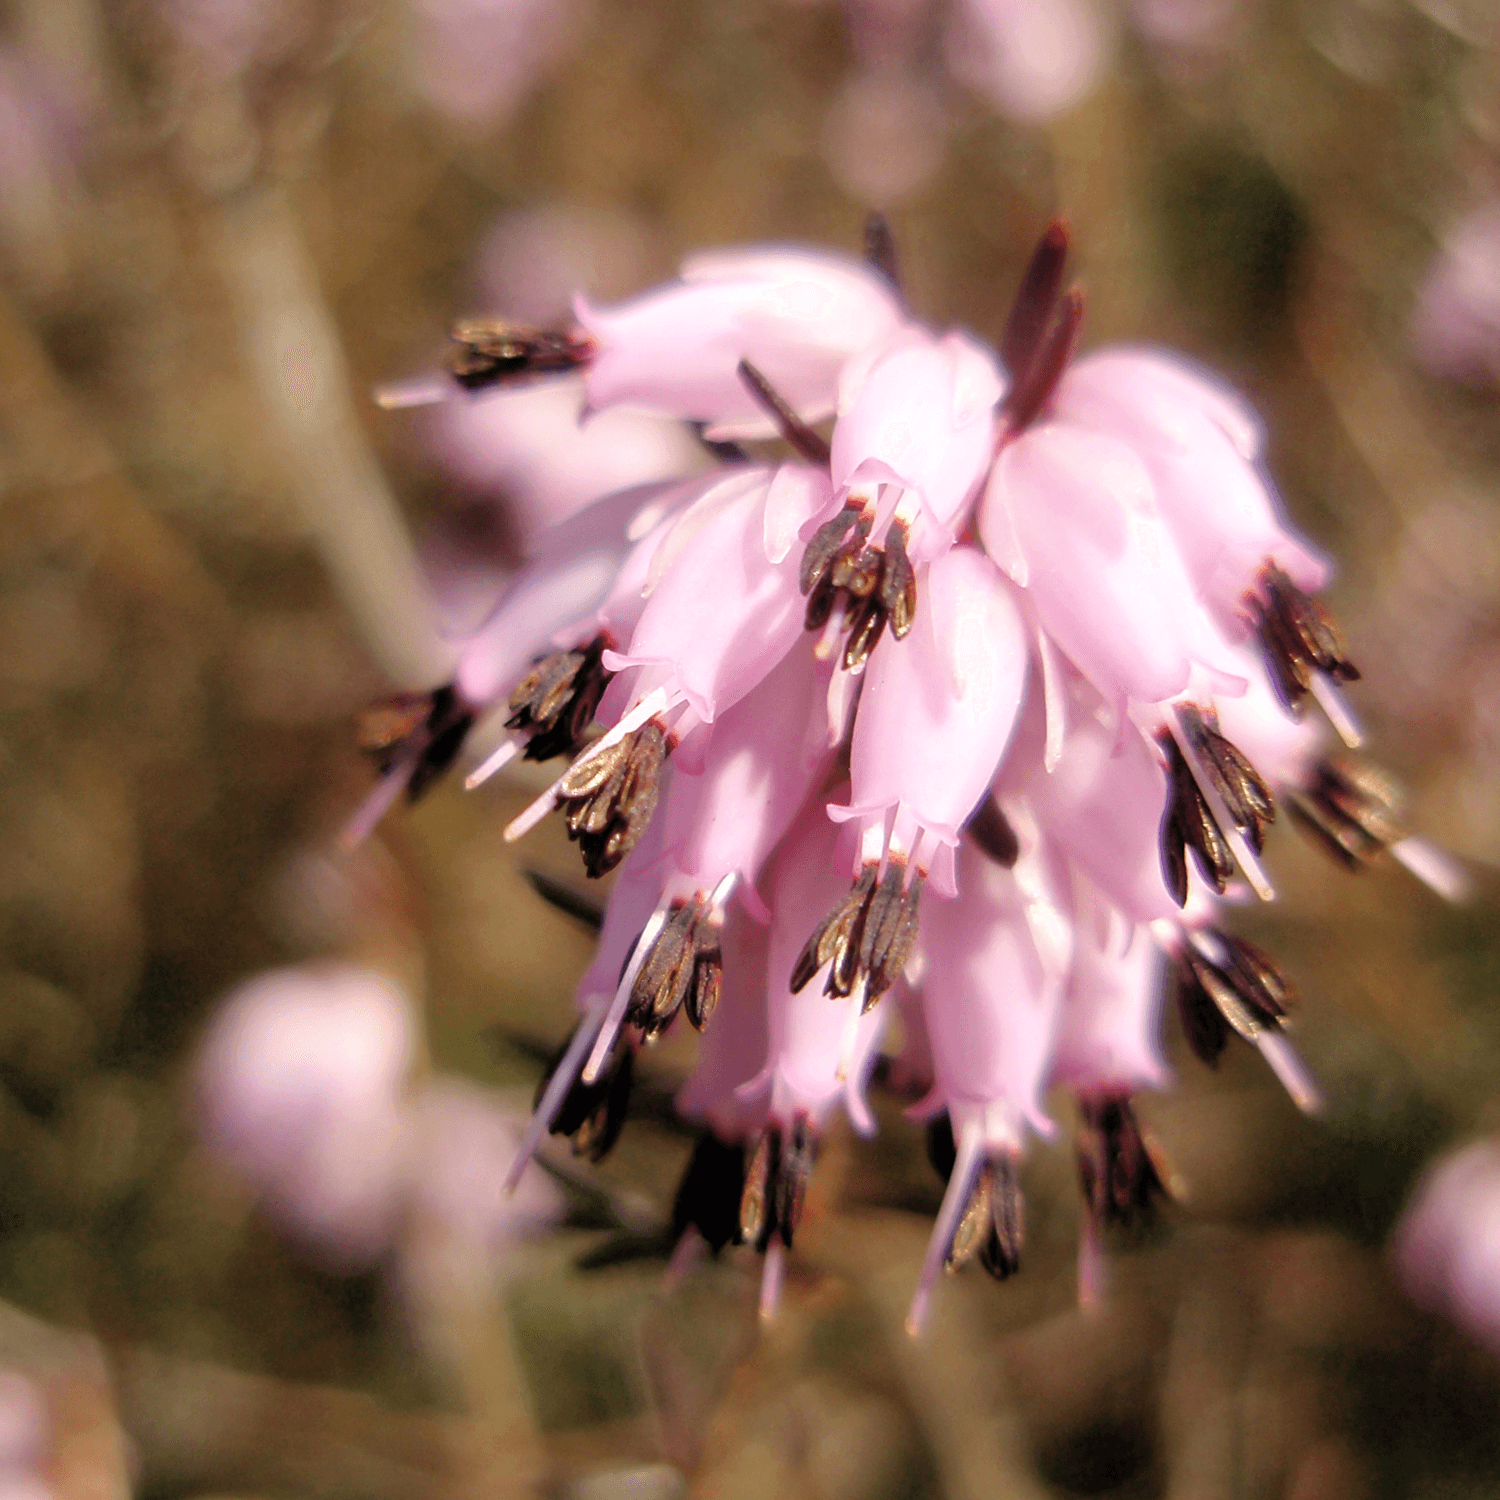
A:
{"points": [[24, 1438], [1032, 58], [476, 61], [299, 1086], [1456, 326], [1447, 1244], [797, 316]]}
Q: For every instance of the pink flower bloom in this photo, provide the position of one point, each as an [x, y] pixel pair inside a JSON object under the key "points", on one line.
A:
{"points": [[299, 1085], [1032, 58], [917, 413], [1447, 1244], [795, 315], [1456, 326], [935, 717]]}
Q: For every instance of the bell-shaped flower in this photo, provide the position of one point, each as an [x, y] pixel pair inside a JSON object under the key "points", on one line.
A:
{"points": [[917, 413], [1109, 1027], [1071, 516], [1200, 447], [723, 613], [577, 578], [936, 715], [765, 756], [795, 315]]}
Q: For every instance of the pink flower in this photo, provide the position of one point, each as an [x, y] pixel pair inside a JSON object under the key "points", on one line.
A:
{"points": [[795, 315], [1447, 1244], [299, 1086], [1456, 325]]}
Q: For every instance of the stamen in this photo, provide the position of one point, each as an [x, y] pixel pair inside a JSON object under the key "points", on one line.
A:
{"points": [[496, 762], [419, 390], [1434, 867], [708, 1199], [807, 443], [1036, 300], [615, 1015], [386, 793], [991, 831], [564, 898], [880, 249], [553, 1094], [966, 1167], [1301, 641], [1292, 1072], [493, 352], [771, 1278], [868, 937], [1328, 696]]}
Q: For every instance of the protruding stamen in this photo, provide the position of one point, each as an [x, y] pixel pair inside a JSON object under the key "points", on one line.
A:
{"points": [[564, 898], [614, 1017], [771, 1277], [708, 1199], [496, 762], [554, 704], [493, 352], [418, 390], [1226, 984], [1036, 300], [1330, 698], [806, 441], [386, 793], [966, 1167], [413, 738], [868, 937], [1300, 641], [776, 1183], [1434, 867], [1118, 1168], [683, 968], [880, 249]]}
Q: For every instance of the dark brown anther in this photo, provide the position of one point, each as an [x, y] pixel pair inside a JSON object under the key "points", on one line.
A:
{"points": [[723, 449], [776, 1183], [1242, 990], [880, 249], [898, 582], [867, 938], [608, 800], [1036, 301], [1353, 809], [993, 1227], [1246, 797], [427, 728], [683, 969], [866, 623], [557, 699], [757, 1202], [710, 1194], [827, 543], [1030, 392], [820, 604], [493, 352], [991, 831], [1119, 1168], [1298, 636], [593, 1114], [1188, 823], [805, 441], [857, 573], [889, 931]]}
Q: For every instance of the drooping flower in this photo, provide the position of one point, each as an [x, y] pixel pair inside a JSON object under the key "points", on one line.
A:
{"points": [[977, 711]]}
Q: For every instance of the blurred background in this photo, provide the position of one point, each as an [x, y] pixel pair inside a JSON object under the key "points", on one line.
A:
{"points": [[228, 1270]]}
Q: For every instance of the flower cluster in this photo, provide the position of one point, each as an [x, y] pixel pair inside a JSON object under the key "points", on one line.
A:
{"points": [[973, 714]]}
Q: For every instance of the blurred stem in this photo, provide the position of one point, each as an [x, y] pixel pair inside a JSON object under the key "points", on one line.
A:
{"points": [[293, 353]]}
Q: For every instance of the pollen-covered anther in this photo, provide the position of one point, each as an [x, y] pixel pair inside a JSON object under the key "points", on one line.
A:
{"points": [[592, 1114], [875, 585], [426, 730], [868, 937], [776, 1183], [1353, 809], [608, 798], [555, 702], [494, 352], [1304, 649], [1120, 1170], [992, 1228], [1189, 823], [684, 969], [1241, 990]]}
